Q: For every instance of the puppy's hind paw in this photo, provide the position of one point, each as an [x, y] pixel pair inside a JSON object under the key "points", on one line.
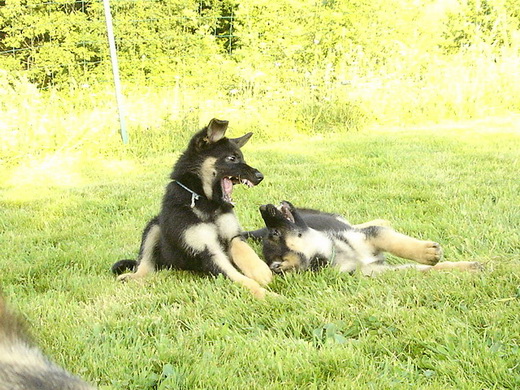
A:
{"points": [[431, 253], [474, 266], [468, 266]]}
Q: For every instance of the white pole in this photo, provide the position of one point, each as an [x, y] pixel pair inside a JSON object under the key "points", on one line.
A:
{"points": [[115, 70]]}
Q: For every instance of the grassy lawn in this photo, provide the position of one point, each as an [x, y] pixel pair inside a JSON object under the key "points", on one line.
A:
{"points": [[67, 218]]}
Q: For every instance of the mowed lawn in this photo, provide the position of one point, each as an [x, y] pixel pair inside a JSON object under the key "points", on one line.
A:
{"points": [[66, 218]]}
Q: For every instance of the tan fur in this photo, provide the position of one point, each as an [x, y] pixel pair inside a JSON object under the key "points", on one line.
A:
{"points": [[255, 289], [248, 262], [204, 236], [458, 265], [424, 252], [290, 261], [222, 261], [228, 226], [207, 174], [146, 263]]}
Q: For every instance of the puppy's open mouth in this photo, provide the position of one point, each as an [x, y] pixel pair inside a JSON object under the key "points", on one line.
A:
{"points": [[227, 184]]}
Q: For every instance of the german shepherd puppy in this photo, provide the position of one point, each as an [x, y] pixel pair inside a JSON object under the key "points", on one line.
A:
{"points": [[196, 228], [291, 245], [23, 366]]}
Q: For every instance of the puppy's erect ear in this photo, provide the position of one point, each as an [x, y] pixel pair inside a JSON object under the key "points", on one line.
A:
{"points": [[294, 213], [216, 130], [241, 141]]}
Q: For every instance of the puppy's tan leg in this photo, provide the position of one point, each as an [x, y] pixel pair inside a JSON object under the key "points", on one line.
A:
{"points": [[248, 261], [472, 266], [258, 291], [388, 240], [232, 273], [290, 261], [146, 263]]}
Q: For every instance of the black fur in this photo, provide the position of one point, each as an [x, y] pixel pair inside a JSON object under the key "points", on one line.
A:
{"points": [[291, 244], [314, 219], [198, 195]]}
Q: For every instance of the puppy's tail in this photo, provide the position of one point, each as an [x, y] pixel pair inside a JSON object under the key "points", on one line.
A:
{"points": [[123, 265]]}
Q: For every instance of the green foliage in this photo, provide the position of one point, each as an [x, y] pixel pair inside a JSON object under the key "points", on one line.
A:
{"points": [[58, 41], [288, 67], [491, 24], [316, 42]]}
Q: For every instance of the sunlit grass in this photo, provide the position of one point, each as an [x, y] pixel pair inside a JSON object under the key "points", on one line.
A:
{"points": [[66, 217]]}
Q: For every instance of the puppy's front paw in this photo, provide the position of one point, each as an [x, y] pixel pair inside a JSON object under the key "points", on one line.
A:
{"points": [[260, 272], [248, 262]]}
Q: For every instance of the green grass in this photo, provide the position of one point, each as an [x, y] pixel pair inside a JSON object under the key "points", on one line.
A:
{"points": [[67, 217]]}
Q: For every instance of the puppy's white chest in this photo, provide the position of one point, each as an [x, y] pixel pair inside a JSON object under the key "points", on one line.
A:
{"points": [[227, 226]]}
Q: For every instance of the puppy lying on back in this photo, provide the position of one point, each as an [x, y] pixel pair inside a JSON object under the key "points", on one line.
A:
{"points": [[291, 244], [23, 366]]}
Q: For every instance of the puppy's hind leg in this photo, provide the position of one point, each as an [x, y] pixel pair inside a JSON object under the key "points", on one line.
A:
{"points": [[467, 266], [388, 240], [146, 262], [471, 266]]}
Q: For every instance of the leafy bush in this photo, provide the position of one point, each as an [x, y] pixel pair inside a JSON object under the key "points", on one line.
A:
{"points": [[274, 67]]}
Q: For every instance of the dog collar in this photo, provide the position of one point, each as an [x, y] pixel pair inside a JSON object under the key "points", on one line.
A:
{"points": [[194, 195]]}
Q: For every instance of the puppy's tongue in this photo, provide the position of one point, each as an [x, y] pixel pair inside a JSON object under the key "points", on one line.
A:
{"points": [[227, 189]]}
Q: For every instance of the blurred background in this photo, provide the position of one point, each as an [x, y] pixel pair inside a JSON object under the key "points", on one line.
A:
{"points": [[279, 68]]}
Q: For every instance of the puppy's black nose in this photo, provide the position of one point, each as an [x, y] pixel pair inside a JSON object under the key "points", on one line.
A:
{"points": [[259, 176], [276, 267]]}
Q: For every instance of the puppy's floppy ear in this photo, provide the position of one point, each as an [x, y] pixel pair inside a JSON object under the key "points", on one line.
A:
{"points": [[241, 141], [216, 130]]}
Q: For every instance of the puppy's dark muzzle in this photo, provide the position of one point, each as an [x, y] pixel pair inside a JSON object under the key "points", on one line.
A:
{"points": [[276, 267], [258, 177], [268, 211]]}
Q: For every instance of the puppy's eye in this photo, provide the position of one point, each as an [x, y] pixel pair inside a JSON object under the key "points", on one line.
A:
{"points": [[299, 234], [232, 158]]}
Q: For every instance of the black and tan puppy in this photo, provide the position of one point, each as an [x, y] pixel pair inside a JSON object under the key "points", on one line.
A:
{"points": [[196, 228], [291, 245]]}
